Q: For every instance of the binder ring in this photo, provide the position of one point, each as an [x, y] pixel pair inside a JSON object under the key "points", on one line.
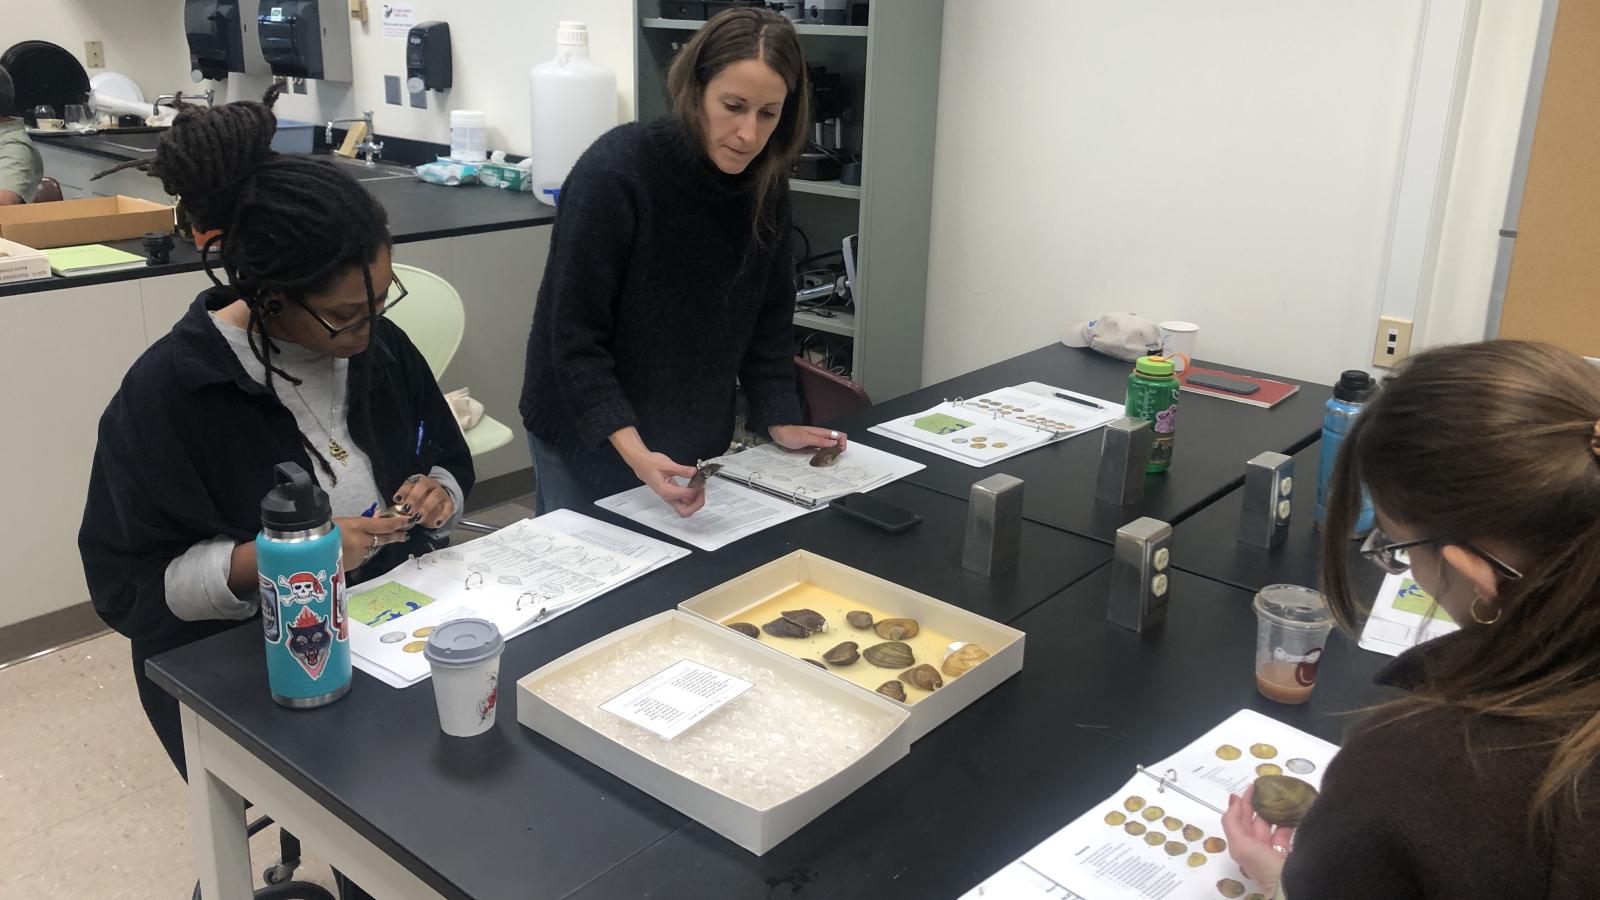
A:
{"points": [[531, 599], [467, 583]]}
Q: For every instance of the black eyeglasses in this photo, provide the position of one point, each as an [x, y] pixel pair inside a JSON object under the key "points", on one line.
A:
{"points": [[1391, 556], [374, 310]]}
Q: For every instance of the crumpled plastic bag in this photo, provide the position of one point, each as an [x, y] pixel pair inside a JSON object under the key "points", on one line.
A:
{"points": [[468, 412]]}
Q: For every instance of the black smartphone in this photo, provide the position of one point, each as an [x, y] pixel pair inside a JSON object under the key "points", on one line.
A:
{"points": [[1231, 385], [877, 513]]}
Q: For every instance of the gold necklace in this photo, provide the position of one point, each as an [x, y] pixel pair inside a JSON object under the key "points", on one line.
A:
{"points": [[335, 449]]}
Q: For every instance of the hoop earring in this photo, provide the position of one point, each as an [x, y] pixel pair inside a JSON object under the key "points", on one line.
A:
{"points": [[1478, 617]]}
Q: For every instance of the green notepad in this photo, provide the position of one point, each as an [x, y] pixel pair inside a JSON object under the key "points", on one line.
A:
{"points": [[89, 259]]}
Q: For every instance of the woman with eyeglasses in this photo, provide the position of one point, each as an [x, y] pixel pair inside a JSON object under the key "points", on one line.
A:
{"points": [[1479, 780], [288, 358]]}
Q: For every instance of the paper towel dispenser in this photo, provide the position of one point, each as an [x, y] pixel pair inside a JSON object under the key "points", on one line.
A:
{"points": [[216, 38], [300, 40]]}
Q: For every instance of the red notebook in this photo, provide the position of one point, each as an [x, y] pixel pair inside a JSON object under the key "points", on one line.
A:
{"points": [[1269, 394]]}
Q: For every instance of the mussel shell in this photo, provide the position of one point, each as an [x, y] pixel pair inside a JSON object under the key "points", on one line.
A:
{"points": [[816, 663], [890, 655], [1174, 848], [896, 629], [859, 619], [1215, 845], [1231, 889], [1282, 800], [923, 677], [1192, 834], [827, 456], [746, 629], [809, 619], [784, 628], [894, 690], [842, 655], [1196, 860], [964, 657]]}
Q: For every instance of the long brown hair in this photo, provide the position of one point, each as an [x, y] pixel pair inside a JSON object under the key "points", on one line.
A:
{"points": [[1493, 441], [734, 36]]}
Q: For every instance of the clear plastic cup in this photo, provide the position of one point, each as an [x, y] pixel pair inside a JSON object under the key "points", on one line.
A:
{"points": [[464, 657], [1292, 625]]}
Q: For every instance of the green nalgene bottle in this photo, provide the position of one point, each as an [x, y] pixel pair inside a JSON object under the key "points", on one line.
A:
{"points": [[1153, 396]]}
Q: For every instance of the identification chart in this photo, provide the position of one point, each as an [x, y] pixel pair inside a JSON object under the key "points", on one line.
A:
{"points": [[1403, 616], [811, 475], [1160, 835], [521, 576], [1002, 423]]}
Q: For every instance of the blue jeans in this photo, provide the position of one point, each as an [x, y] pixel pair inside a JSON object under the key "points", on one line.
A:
{"points": [[555, 486]]}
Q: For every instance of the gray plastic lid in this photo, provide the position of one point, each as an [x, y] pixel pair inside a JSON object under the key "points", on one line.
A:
{"points": [[1293, 606], [463, 642]]}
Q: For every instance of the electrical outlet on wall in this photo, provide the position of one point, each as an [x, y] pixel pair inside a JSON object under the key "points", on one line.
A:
{"points": [[1394, 342], [94, 55]]}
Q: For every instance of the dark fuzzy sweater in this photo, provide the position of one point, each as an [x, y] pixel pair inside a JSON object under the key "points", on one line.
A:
{"points": [[1435, 805], [656, 302]]}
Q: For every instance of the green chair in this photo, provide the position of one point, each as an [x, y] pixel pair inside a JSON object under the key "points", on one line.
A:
{"points": [[434, 318]]}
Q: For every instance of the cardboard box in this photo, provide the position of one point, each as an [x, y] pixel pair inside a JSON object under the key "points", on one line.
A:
{"points": [[19, 263], [756, 830], [1005, 644], [89, 221]]}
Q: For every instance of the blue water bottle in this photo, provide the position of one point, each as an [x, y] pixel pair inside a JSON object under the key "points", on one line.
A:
{"points": [[300, 567], [1350, 397]]}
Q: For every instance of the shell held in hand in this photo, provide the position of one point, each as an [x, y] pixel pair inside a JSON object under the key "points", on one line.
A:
{"points": [[1282, 800]]}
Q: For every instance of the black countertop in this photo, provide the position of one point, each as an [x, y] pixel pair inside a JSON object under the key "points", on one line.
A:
{"points": [[509, 813], [1092, 701], [1214, 440], [418, 211]]}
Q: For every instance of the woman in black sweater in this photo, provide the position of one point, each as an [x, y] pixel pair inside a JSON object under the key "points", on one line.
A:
{"points": [[1484, 463], [671, 280]]}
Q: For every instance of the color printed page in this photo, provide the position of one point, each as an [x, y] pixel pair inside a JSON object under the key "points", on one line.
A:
{"points": [[1403, 616]]}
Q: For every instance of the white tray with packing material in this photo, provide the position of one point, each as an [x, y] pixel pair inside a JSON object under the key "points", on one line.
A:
{"points": [[756, 587], [548, 704]]}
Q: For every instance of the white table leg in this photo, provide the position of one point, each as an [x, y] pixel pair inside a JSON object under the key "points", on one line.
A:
{"points": [[221, 845]]}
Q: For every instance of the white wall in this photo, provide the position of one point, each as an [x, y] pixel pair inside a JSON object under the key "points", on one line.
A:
{"points": [[494, 44], [1491, 121], [1233, 163]]}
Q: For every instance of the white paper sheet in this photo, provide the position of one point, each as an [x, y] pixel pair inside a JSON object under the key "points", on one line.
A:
{"points": [[521, 576], [1013, 420], [1097, 856], [858, 469], [1401, 618], [731, 512], [671, 701]]}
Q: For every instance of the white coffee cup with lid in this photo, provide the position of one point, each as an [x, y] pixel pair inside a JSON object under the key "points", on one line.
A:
{"points": [[464, 656]]}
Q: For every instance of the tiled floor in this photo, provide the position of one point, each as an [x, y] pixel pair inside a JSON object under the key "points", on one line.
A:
{"points": [[90, 806]]}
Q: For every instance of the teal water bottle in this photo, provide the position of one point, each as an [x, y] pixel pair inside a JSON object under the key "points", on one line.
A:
{"points": [[1153, 397], [1350, 397], [300, 567]]}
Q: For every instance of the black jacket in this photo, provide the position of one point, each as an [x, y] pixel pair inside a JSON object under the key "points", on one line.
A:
{"points": [[655, 303], [186, 452]]}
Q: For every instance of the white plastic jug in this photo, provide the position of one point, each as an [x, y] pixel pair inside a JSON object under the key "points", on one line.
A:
{"points": [[573, 101]]}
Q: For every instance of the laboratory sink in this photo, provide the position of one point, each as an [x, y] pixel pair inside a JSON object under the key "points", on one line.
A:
{"points": [[379, 171], [139, 144]]}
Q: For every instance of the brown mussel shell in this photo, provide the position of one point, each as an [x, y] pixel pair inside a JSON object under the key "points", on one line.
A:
{"points": [[784, 628], [1231, 889], [746, 629], [890, 655], [923, 677], [894, 690], [816, 663], [1282, 800], [896, 629], [842, 655], [826, 457], [964, 657], [859, 619], [809, 619]]}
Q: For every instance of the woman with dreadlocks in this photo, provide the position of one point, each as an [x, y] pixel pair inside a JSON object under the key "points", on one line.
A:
{"points": [[287, 358]]}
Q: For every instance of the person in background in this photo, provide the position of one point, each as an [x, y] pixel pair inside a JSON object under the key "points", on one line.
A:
{"points": [[671, 279], [20, 164], [288, 359], [1483, 461]]}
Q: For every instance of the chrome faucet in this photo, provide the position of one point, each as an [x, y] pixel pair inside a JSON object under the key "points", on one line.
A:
{"points": [[180, 98], [369, 147]]}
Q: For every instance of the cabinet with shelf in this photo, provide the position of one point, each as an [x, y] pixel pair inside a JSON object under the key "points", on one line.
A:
{"points": [[890, 71]]}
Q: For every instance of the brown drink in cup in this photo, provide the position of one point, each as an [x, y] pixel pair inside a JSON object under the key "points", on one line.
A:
{"points": [[1292, 625]]}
